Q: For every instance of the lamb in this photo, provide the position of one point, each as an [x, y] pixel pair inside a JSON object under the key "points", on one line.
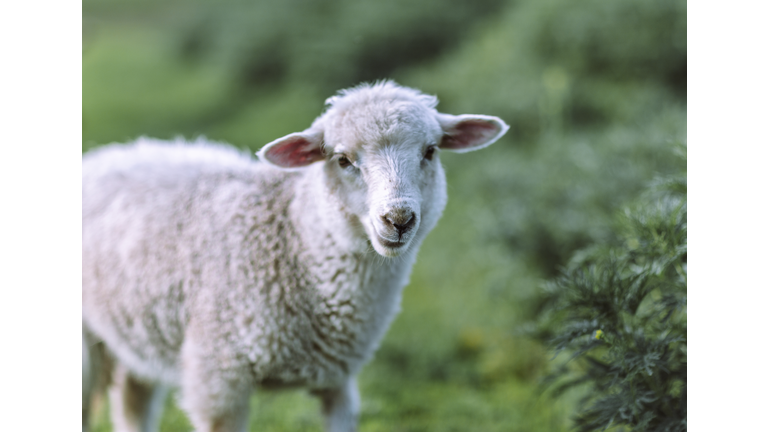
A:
{"points": [[207, 271]]}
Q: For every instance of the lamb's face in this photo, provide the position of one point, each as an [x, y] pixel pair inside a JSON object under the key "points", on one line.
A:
{"points": [[379, 145], [382, 163]]}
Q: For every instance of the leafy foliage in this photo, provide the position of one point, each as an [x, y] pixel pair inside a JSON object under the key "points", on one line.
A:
{"points": [[620, 311], [568, 64]]}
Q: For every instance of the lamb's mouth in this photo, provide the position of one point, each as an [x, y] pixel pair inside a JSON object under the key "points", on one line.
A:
{"points": [[389, 248], [390, 244]]}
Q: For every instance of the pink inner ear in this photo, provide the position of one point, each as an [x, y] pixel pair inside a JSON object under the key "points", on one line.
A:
{"points": [[469, 133], [294, 152]]}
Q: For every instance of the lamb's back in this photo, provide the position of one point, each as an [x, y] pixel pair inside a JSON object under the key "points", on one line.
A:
{"points": [[162, 225], [159, 166]]}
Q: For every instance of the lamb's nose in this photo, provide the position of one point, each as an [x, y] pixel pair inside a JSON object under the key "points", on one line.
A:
{"points": [[400, 219]]}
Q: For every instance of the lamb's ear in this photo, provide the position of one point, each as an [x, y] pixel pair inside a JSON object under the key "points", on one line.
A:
{"points": [[296, 150], [469, 132]]}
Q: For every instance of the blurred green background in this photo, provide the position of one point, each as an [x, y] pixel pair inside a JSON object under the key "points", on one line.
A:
{"points": [[594, 92]]}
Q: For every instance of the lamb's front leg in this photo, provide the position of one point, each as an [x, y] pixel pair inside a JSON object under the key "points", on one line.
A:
{"points": [[214, 396], [341, 406]]}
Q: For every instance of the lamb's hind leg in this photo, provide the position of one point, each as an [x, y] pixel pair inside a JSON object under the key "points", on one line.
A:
{"points": [[341, 407], [91, 372], [135, 406]]}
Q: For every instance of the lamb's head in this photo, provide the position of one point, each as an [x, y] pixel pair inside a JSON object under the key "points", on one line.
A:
{"points": [[379, 146]]}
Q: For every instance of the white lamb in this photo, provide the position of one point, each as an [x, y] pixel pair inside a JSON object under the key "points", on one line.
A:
{"points": [[211, 272]]}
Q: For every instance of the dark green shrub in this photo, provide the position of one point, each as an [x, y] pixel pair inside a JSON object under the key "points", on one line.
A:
{"points": [[619, 312], [626, 39], [568, 64]]}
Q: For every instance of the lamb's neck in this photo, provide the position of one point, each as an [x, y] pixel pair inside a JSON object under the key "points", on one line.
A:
{"points": [[356, 292], [344, 261]]}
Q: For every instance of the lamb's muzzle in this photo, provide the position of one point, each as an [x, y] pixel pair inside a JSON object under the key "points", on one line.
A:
{"points": [[397, 228]]}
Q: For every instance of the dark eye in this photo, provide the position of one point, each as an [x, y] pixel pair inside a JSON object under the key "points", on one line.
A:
{"points": [[429, 153], [344, 162]]}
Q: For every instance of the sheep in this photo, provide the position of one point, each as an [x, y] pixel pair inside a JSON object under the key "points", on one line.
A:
{"points": [[210, 272]]}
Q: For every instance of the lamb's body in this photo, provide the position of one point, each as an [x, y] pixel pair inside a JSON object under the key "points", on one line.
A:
{"points": [[212, 239], [209, 271]]}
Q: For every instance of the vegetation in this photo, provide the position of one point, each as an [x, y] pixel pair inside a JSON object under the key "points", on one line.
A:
{"points": [[620, 311], [595, 94]]}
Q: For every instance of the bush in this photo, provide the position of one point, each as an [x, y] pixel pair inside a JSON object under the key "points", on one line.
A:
{"points": [[620, 311], [567, 64]]}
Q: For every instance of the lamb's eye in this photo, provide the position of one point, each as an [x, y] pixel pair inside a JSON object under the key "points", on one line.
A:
{"points": [[429, 153], [344, 162]]}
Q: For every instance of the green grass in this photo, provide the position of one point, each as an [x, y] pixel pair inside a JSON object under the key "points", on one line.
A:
{"points": [[131, 87], [399, 405]]}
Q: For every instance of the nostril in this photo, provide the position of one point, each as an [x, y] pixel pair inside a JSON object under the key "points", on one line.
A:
{"points": [[387, 221], [402, 221], [407, 224]]}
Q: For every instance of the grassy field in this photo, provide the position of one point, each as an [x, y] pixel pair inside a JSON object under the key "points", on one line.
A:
{"points": [[595, 93]]}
